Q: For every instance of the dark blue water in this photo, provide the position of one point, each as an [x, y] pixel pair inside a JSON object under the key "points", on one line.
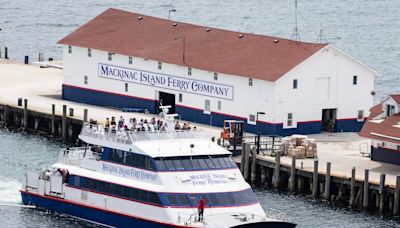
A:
{"points": [[20, 152]]}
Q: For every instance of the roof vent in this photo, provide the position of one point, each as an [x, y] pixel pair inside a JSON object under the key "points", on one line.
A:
{"points": [[276, 41], [208, 29], [140, 18], [241, 36], [174, 24]]}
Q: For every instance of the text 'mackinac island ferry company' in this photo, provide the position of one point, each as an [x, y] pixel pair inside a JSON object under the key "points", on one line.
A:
{"points": [[147, 179]]}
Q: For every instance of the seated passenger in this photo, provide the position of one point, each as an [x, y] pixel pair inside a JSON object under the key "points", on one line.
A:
{"points": [[177, 126]]}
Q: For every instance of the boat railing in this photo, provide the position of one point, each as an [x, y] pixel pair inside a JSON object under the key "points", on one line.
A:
{"points": [[130, 136], [76, 154], [192, 218]]}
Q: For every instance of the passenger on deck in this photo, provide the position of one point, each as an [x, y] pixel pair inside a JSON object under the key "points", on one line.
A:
{"points": [[107, 125], [113, 123], [177, 126], [121, 122], [201, 209], [58, 172]]}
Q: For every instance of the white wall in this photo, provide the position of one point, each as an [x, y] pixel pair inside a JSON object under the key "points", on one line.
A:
{"points": [[247, 99], [275, 99], [328, 65]]}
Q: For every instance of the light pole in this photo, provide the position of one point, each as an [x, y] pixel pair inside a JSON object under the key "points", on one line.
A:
{"points": [[169, 13], [184, 44], [258, 132]]}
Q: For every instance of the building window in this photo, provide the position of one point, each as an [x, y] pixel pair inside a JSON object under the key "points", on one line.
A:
{"points": [[126, 87], [355, 80], [207, 106], [69, 49], [289, 122], [159, 65], [89, 52], [110, 56], [189, 71], [219, 105], [294, 83], [215, 76], [130, 59], [250, 82], [180, 97], [85, 79], [252, 118], [360, 116], [390, 110]]}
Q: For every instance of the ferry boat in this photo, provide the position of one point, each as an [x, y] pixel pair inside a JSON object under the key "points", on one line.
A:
{"points": [[147, 179]]}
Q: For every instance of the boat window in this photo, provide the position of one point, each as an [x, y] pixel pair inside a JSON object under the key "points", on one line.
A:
{"points": [[172, 200], [216, 162], [209, 163], [238, 197], [193, 199], [187, 164], [160, 165], [169, 164], [195, 163], [213, 199], [183, 199], [203, 163], [143, 195], [153, 198], [231, 199], [222, 199], [178, 165]]}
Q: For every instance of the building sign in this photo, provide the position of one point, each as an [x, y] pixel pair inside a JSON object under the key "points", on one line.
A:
{"points": [[166, 81], [128, 172], [209, 179]]}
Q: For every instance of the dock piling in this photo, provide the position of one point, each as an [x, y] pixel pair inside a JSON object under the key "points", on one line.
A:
{"points": [[396, 197], [263, 178], [85, 115], [64, 122], [36, 123], [352, 186], [315, 179], [327, 181], [276, 175], [246, 162], [293, 174], [242, 158], [253, 166], [25, 114], [6, 52], [366, 189], [381, 192], [53, 113]]}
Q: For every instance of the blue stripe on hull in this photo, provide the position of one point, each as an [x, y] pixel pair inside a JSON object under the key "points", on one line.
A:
{"points": [[195, 115], [88, 213]]}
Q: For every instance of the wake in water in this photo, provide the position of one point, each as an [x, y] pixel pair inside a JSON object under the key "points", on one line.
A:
{"points": [[9, 191]]}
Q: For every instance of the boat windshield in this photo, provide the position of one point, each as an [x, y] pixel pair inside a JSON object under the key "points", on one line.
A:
{"points": [[204, 162]]}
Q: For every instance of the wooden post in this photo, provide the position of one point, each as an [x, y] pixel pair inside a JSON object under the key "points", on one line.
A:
{"points": [[352, 186], [6, 114], [276, 177], [36, 123], [246, 162], [315, 179], [263, 176], [53, 113], [293, 175], [6, 52], [396, 197], [70, 131], [85, 115], [242, 158], [25, 113], [366, 190], [381, 192], [253, 166], [64, 122], [327, 191]]}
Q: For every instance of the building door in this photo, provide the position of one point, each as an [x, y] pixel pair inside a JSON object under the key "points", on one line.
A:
{"points": [[167, 99], [328, 120]]}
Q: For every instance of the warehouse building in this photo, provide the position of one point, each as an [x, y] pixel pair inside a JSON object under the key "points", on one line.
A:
{"points": [[275, 85], [383, 127]]}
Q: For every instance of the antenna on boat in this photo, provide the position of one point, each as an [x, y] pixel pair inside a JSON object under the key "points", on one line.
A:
{"points": [[295, 34]]}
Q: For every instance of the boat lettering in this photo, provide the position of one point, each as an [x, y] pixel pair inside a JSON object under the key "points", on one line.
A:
{"points": [[208, 179], [129, 172]]}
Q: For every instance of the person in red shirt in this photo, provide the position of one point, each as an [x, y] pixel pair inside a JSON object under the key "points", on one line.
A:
{"points": [[201, 209]]}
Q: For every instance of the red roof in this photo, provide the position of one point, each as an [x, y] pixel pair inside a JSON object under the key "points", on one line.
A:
{"points": [[256, 56], [385, 127], [396, 97]]}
